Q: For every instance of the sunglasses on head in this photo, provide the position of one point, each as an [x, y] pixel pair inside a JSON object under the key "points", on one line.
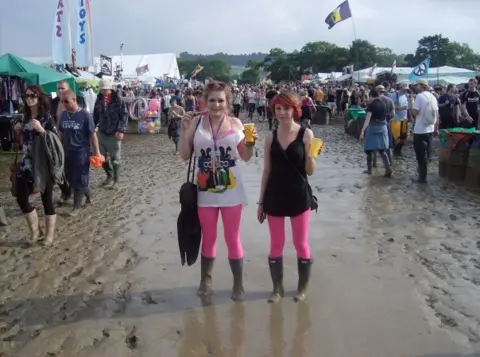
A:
{"points": [[219, 85], [31, 96]]}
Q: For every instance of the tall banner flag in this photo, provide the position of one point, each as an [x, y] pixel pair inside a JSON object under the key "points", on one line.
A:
{"points": [[341, 13], [420, 71], [106, 65], [196, 71], [394, 66], [83, 39], [62, 41], [142, 70], [370, 72]]}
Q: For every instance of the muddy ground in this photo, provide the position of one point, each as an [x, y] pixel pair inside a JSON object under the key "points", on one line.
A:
{"points": [[396, 273]]}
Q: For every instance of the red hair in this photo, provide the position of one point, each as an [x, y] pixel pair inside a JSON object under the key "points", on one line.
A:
{"points": [[289, 100]]}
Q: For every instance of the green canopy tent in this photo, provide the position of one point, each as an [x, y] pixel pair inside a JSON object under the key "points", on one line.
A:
{"points": [[32, 73]]}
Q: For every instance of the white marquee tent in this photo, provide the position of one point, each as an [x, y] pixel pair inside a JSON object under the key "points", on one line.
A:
{"points": [[160, 66]]}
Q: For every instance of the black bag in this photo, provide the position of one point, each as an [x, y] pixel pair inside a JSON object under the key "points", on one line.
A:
{"points": [[313, 198], [189, 230]]}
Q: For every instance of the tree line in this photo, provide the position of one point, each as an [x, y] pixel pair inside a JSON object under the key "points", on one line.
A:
{"points": [[326, 57]]}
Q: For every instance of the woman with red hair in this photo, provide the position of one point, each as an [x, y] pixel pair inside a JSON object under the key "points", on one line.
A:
{"points": [[285, 191]]}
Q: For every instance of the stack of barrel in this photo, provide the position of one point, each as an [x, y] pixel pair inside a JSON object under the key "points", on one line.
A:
{"points": [[459, 156]]}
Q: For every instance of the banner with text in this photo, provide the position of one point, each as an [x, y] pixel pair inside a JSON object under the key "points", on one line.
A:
{"points": [[62, 41], [83, 39]]}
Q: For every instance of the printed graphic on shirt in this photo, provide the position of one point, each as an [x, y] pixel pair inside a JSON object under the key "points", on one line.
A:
{"points": [[71, 124], [214, 170]]}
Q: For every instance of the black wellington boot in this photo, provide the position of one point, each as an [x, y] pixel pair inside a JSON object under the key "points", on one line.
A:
{"points": [[238, 293], [304, 270], [206, 267], [276, 273]]}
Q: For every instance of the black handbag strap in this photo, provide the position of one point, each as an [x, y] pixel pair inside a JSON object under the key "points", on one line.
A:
{"points": [[192, 160], [300, 135]]}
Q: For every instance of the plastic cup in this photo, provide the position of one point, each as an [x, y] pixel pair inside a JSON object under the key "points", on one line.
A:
{"points": [[249, 129], [315, 147]]}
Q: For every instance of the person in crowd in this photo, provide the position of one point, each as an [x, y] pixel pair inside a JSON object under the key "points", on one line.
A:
{"points": [[110, 117], [375, 132], [261, 102], [77, 132], [175, 114], [271, 93], [284, 191], [218, 142], [57, 107], [37, 121], [449, 109], [166, 105], [308, 108], [425, 111], [399, 123], [190, 102], [319, 96], [471, 102], [236, 102]]}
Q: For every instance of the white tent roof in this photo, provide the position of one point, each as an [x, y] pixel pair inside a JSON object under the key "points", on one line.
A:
{"points": [[159, 65], [405, 71]]}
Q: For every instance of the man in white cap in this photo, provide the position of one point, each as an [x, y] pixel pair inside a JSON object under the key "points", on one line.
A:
{"points": [[110, 115], [425, 112]]}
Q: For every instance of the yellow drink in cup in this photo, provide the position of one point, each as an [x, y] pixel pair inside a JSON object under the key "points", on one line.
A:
{"points": [[315, 147], [249, 129]]}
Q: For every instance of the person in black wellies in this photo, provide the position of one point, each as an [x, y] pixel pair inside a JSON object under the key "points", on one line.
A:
{"points": [[77, 132], [110, 117]]}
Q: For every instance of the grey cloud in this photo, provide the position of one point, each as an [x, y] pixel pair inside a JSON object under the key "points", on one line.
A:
{"points": [[152, 26]]}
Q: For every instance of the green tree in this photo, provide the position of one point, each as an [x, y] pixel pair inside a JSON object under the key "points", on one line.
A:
{"points": [[252, 74], [363, 54], [217, 69]]}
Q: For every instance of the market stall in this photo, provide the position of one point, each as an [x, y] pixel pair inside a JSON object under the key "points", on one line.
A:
{"points": [[30, 73]]}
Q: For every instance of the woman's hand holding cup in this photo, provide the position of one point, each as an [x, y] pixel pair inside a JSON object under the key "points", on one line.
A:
{"points": [[316, 146]]}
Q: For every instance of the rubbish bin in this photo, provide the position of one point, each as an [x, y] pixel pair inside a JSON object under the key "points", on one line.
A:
{"points": [[322, 115]]}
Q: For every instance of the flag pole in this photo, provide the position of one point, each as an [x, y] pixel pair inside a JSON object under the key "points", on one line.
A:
{"points": [[355, 41]]}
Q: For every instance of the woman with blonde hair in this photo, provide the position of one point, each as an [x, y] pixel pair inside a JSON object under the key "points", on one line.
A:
{"points": [[285, 191], [218, 142]]}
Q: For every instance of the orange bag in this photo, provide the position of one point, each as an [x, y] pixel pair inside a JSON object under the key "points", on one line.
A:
{"points": [[97, 161]]}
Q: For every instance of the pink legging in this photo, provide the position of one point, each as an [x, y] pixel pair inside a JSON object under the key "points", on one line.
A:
{"points": [[231, 217], [299, 232]]}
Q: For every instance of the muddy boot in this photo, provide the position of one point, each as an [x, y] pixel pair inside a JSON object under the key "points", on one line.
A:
{"points": [[50, 222], [63, 200], [374, 159], [389, 155], [88, 196], [3, 218], [32, 222], [368, 171], [386, 163], [304, 269], [238, 294], [206, 267], [276, 273], [116, 176], [77, 202], [109, 171], [422, 173]]}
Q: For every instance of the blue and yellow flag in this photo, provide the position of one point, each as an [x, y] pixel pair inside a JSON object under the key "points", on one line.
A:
{"points": [[341, 13], [420, 71]]}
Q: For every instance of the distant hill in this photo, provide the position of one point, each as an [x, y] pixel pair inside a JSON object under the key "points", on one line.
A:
{"points": [[235, 61]]}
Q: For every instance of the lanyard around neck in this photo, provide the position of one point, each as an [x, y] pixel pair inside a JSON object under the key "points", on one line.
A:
{"points": [[215, 135]]}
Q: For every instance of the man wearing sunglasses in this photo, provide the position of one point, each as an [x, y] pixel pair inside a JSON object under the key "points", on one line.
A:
{"points": [[110, 116]]}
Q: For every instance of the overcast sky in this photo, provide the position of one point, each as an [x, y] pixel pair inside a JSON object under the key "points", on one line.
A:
{"points": [[232, 26]]}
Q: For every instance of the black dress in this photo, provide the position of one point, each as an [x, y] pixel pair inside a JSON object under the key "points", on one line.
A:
{"points": [[286, 193]]}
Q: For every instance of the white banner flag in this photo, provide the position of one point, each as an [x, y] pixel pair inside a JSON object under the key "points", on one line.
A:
{"points": [[62, 41], [83, 38]]}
